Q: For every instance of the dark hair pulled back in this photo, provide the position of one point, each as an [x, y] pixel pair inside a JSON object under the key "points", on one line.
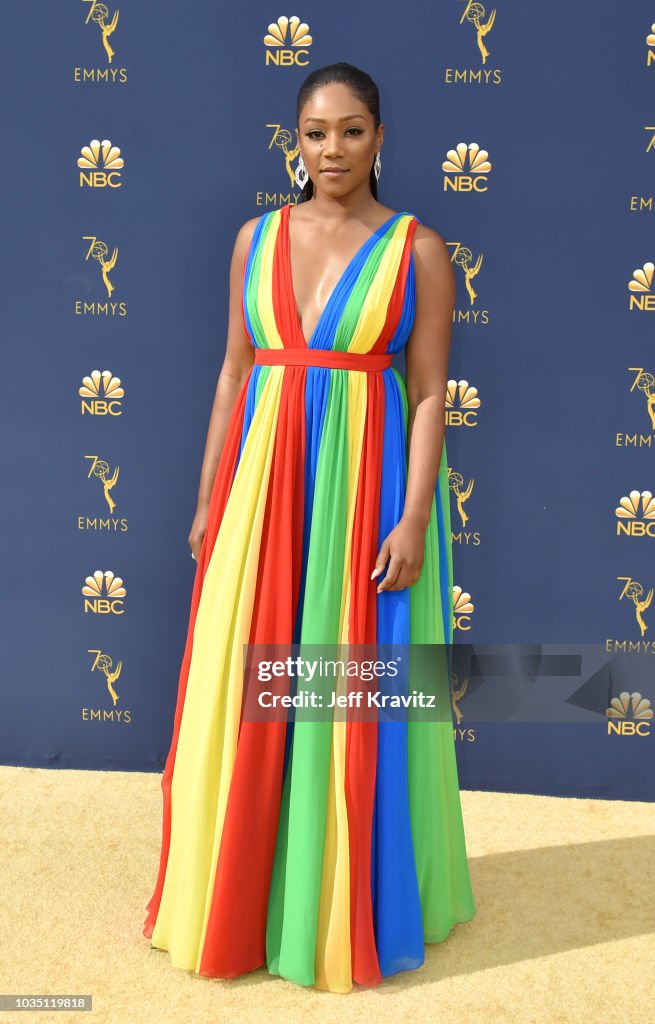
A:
{"points": [[362, 86]]}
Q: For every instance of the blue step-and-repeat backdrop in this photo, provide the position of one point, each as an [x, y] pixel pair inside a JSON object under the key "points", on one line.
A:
{"points": [[136, 141]]}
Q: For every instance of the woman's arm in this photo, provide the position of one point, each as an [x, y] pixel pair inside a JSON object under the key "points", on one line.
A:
{"points": [[237, 363], [426, 362]]}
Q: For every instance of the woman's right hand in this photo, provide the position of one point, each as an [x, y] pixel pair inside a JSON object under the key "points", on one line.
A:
{"points": [[198, 528]]}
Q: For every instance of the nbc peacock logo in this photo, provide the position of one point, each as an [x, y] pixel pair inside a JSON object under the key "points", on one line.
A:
{"points": [[101, 394], [650, 47], [462, 404], [640, 287], [100, 165], [635, 515], [463, 608], [629, 714], [103, 593], [287, 43], [467, 168]]}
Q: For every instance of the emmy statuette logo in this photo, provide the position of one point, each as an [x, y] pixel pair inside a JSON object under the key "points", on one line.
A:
{"points": [[99, 469], [105, 480], [462, 492], [103, 24], [478, 25], [98, 252], [634, 591], [470, 267], [111, 710], [643, 382]]}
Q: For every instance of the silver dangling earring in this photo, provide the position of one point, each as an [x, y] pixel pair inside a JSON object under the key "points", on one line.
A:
{"points": [[301, 173], [377, 165]]}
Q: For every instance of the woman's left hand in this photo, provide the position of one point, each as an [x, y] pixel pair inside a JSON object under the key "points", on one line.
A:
{"points": [[404, 548]]}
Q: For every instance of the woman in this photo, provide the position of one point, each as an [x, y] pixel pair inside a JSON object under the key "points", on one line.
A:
{"points": [[327, 851]]}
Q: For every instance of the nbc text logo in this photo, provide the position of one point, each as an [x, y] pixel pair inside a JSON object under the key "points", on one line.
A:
{"points": [[100, 165], [461, 404], [103, 593], [629, 714], [287, 40], [639, 286], [101, 393], [650, 43], [636, 515], [462, 608], [467, 168]]}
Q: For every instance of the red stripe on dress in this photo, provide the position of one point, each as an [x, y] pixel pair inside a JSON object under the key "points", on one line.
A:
{"points": [[220, 491], [235, 940], [361, 736], [284, 301]]}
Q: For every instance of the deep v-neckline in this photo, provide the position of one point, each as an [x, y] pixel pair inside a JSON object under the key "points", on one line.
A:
{"points": [[339, 281]]}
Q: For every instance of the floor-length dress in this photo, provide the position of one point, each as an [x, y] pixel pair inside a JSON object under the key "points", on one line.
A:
{"points": [[328, 852]]}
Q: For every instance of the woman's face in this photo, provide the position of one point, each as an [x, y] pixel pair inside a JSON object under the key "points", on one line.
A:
{"points": [[337, 130]]}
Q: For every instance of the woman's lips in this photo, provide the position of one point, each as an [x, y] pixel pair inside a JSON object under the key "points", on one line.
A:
{"points": [[333, 173]]}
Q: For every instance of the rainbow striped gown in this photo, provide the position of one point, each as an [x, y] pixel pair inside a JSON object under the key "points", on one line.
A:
{"points": [[328, 852]]}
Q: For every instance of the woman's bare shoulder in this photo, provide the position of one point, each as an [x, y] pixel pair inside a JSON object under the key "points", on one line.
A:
{"points": [[244, 237], [247, 229], [429, 245]]}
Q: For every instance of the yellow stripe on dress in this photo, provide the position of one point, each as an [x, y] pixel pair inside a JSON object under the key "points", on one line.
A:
{"points": [[209, 727], [265, 307], [378, 284], [333, 965]]}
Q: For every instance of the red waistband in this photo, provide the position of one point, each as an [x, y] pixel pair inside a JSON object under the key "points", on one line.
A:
{"points": [[323, 357]]}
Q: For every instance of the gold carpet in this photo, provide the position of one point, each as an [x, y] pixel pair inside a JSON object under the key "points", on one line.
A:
{"points": [[563, 933]]}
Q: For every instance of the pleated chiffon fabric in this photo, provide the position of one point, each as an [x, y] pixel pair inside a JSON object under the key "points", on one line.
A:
{"points": [[329, 852]]}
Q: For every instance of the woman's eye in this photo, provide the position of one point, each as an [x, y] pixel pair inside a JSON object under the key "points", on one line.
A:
{"points": [[316, 131]]}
